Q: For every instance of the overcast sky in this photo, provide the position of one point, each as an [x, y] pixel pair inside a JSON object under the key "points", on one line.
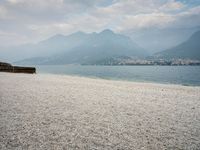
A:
{"points": [[24, 21]]}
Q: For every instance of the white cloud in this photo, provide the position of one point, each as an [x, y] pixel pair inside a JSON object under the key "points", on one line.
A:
{"points": [[146, 21], [172, 5], [47, 30], [42, 18], [189, 18], [3, 12]]}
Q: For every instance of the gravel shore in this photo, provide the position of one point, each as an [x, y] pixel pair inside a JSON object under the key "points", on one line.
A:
{"points": [[44, 112]]}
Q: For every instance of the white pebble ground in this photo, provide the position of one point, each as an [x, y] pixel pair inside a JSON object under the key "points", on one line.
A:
{"points": [[44, 112]]}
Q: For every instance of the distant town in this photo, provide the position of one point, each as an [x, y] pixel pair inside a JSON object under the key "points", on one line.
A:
{"points": [[146, 62]]}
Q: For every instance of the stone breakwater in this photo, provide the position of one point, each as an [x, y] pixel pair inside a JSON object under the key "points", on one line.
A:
{"points": [[6, 67]]}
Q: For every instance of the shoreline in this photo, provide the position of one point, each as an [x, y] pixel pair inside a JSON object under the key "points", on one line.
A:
{"points": [[187, 76], [119, 79], [41, 111], [76, 76]]}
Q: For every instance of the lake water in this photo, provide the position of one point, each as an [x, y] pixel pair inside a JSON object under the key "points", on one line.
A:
{"points": [[185, 75]]}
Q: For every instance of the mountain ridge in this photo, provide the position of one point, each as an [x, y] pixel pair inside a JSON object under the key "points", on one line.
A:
{"points": [[81, 47], [190, 49]]}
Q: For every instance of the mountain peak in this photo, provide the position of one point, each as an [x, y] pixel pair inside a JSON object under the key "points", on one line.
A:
{"points": [[78, 34], [57, 36], [107, 31]]}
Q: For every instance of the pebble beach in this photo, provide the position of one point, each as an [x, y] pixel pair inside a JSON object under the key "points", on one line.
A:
{"points": [[55, 112]]}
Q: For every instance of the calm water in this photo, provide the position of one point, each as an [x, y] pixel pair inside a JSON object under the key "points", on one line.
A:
{"points": [[185, 75]]}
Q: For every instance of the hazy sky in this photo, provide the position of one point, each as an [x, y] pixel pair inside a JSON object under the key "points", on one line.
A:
{"points": [[24, 21]]}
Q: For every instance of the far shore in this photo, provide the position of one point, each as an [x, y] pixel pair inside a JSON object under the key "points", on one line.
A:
{"points": [[43, 111]]}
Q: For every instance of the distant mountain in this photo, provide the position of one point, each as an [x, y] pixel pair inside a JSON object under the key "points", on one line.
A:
{"points": [[157, 39], [51, 46], [82, 48], [189, 49]]}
